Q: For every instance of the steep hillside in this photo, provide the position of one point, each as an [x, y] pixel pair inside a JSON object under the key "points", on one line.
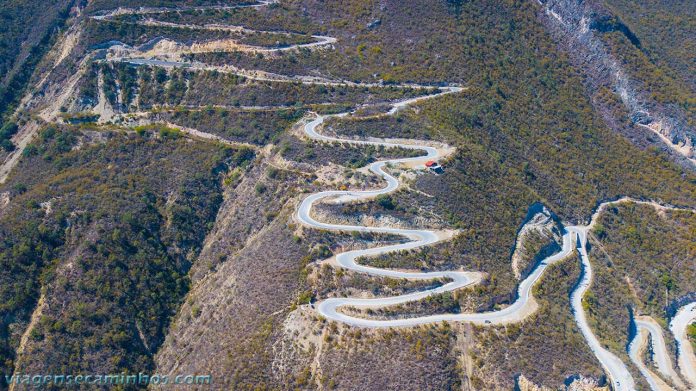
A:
{"points": [[27, 31], [666, 30], [630, 84], [198, 188], [637, 251], [107, 226]]}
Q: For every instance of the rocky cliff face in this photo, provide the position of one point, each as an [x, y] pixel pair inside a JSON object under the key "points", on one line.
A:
{"points": [[538, 238], [580, 384], [576, 25]]}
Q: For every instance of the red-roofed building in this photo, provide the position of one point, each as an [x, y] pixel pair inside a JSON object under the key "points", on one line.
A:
{"points": [[434, 167]]}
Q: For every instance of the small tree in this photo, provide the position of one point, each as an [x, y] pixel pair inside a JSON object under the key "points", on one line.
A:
{"points": [[385, 202]]}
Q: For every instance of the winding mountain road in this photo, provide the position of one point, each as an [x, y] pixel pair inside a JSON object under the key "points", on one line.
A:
{"points": [[160, 10], [516, 312], [687, 359], [574, 238], [168, 53], [621, 378], [419, 238], [648, 328], [615, 368]]}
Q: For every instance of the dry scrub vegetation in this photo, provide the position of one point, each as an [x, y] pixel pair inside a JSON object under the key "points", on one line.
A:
{"points": [[156, 252], [643, 262]]}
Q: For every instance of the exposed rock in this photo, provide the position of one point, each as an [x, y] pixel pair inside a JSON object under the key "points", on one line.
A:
{"points": [[574, 24], [525, 385], [585, 384], [336, 214], [374, 24], [579, 384], [4, 199], [540, 229], [47, 207]]}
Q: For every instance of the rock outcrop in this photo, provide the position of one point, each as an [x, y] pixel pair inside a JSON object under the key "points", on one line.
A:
{"points": [[579, 384], [538, 238], [576, 25]]}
